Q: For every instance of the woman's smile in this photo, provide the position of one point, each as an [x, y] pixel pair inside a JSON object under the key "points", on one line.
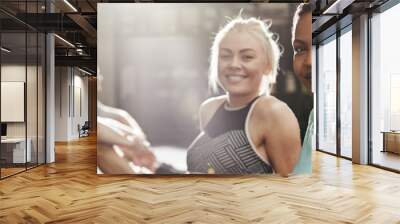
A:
{"points": [[235, 78]]}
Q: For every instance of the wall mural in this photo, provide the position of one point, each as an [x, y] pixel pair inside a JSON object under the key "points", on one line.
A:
{"points": [[204, 89]]}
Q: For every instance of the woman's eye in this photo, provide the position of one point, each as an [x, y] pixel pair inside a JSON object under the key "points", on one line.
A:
{"points": [[248, 57], [224, 56], [299, 50]]}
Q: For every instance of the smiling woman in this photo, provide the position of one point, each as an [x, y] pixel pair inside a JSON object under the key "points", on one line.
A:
{"points": [[245, 131], [158, 73]]}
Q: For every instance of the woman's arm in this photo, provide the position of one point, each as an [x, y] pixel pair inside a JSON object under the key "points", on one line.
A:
{"points": [[281, 137], [121, 116], [114, 132]]}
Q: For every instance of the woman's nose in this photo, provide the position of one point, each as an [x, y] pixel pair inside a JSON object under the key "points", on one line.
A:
{"points": [[235, 62], [308, 60]]}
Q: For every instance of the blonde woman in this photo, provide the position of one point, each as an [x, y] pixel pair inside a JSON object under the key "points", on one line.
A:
{"points": [[245, 131]]}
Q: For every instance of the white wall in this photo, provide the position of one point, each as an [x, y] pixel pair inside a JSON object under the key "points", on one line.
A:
{"points": [[12, 73], [79, 117], [62, 80], [16, 73], [69, 85], [33, 126]]}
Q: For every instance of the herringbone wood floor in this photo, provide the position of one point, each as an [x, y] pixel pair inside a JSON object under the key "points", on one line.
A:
{"points": [[69, 191]]}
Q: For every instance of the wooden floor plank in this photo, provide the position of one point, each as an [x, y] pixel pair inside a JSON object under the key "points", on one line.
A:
{"points": [[69, 191]]}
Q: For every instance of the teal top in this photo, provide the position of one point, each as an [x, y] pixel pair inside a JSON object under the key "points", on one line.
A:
{"points": [[304, 164]]}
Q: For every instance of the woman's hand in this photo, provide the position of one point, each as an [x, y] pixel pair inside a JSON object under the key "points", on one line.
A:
{"points": [[121, 150], [140, 155], [110, 162], [112, 131], [122, 117]]}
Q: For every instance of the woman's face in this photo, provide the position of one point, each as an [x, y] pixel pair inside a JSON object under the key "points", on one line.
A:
{"points": [[241, 63], [302, 48]]}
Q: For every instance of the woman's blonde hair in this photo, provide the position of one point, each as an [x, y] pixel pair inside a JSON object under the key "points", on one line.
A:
{"points": [[269, 40]]}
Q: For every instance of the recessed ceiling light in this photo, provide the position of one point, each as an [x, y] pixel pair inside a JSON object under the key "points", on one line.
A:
{"points": [[84, 71], [5, 50], [337, 7], [64, 40], [70, 5]]}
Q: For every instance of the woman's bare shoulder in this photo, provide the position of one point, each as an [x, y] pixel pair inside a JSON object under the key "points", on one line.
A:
{"points": [[208, 108], [213, 101], [272, 109], [270, 104]]}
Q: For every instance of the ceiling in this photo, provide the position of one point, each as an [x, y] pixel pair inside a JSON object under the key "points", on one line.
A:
{"points": [[76, 21]]}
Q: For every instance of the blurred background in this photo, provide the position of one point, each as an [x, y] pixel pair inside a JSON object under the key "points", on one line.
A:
{"points": [[155, 57]]}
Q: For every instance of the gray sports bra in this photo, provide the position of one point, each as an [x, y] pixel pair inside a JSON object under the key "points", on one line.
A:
{"points": [[223, 146]]}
